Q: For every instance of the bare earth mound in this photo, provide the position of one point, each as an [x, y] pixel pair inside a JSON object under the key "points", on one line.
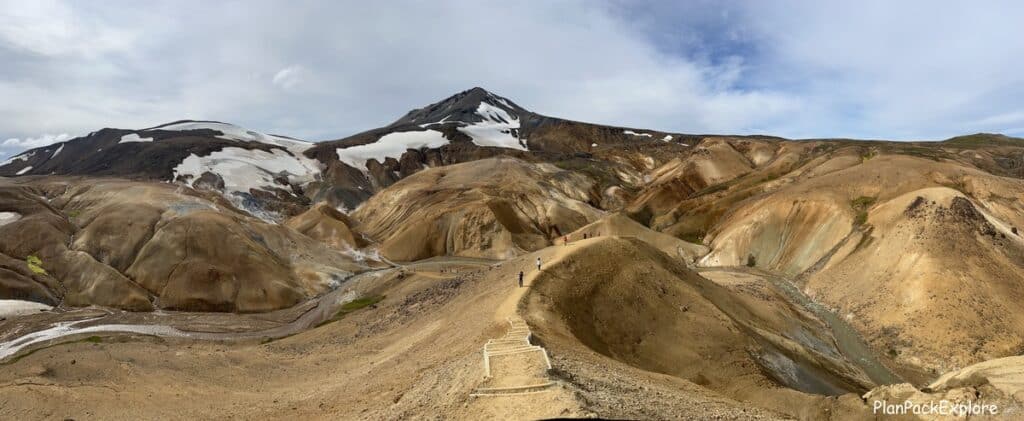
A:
{"points": [[140, 245], [620, 225], [494, 208]]}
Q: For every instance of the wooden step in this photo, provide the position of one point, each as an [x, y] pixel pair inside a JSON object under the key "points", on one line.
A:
{"points": [[511, 390], [513, 351]]}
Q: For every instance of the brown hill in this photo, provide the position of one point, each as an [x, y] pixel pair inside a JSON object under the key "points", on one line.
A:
{"points": [[138, 245], [631, 304], [619, 225], [495, 208], [328, 225]]}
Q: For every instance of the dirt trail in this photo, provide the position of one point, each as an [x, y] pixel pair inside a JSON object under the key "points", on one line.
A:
{"points": [[514, 382], [512, 365]]}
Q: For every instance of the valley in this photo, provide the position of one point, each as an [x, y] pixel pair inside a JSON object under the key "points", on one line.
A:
{"points": [[201, 270]]}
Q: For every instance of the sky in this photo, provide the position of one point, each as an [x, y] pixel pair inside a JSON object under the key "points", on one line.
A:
{"points": [[319, 70]]}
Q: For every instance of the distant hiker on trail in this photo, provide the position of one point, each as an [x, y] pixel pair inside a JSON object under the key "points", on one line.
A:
{"points": [[584, 236], [566, 241], [538, 263], [520, 279]]}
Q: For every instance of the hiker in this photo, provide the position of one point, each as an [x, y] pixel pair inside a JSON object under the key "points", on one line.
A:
{"points": [[538, 263], [584, 236], [520, 279], [566, 241]]}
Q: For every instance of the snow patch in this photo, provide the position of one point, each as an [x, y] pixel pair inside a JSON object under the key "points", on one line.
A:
{"points": [[391, 145], [439, 122], [10, 308], [134, 137], [245, 169], [502, 101], [233, 132], [667, 138], [19, 157], [496, 129], [7, 218], [630, 132], [60, 148], [24, 170]]}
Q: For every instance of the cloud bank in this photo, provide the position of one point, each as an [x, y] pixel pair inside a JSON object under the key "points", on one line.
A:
{"points": [[324, 70]]}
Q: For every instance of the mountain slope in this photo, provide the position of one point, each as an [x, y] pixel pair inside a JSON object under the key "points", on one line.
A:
{"points": [[471, 125], [260, 173], [495, 208], [144, 245]]}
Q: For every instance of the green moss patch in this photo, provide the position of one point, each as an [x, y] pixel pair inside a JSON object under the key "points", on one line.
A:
{"points": [[35, 264], [352, 306], [860, 205]]}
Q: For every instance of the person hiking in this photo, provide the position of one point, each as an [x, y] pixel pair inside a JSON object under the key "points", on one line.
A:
{"points": [[520, 279], [538, 263]]}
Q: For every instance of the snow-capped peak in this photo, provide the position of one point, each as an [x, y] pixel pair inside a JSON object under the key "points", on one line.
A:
{"points": [[467, 107], [232, 132]]}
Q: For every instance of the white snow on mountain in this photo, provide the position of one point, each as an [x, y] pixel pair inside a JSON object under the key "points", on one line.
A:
{"points": [[134, 137], [391, 145], [10, 308], [442, 121], [502, 101], [636, 134], [667, 138], [59, 148], [8, 217], [24, 170], [20, 157], [246, 169], [233, 132], [495, 130]]}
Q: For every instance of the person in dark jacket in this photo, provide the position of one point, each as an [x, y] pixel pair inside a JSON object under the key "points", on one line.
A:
{"points": [[520, 279]]}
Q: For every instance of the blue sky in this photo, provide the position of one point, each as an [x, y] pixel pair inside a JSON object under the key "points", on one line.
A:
{"points": [[323, 70]]}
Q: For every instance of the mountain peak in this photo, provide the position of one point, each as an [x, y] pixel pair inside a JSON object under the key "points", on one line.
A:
{"points": [[469, 106]]}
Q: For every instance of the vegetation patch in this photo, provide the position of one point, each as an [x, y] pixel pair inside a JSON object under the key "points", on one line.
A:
{"points": [[693, 237], [590, 168], [35, 265], [866, 156], [983, 139], [932, 152], [352, 306], [860, 205]]}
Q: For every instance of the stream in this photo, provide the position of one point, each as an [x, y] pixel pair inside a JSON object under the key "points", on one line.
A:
{"points": [[162, 323], [848, 341], [51, 328]]}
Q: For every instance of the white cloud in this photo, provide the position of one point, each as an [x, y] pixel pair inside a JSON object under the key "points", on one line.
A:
{"points": [[905, 70], [288, 77], [35, 142], [909, 69], [54, 28], [1003, 119], [13, 146]]}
